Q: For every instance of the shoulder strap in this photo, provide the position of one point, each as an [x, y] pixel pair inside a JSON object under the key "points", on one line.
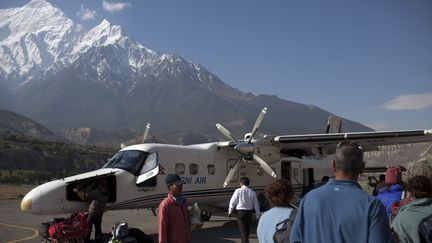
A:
{"points": [[282, 225], [283, 229], [292, 215]]}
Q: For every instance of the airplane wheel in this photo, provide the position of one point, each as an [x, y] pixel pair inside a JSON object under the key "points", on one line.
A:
{"points": [[205, 215]]}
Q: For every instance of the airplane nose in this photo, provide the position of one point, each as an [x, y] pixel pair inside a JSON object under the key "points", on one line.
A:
{"points": [[32, 202]]}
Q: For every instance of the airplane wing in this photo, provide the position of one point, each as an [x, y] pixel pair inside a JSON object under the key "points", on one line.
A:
{"points": [[322, 144]]}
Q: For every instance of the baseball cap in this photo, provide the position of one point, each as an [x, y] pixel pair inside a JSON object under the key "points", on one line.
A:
{"points": [[173, 179]]}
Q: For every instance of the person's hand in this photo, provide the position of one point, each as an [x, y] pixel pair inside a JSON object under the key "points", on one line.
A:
{"points": [[229, 215]]}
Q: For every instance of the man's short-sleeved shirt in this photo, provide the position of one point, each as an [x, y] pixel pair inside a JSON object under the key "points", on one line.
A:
{"points": [[339, 212]]}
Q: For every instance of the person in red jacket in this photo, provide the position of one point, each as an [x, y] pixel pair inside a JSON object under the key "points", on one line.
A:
{"points": [[173, 222]]}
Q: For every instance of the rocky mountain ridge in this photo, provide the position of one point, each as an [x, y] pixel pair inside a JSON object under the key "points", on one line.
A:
{"points": [[66, 78]]}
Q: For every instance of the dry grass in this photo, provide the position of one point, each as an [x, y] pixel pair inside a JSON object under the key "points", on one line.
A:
{"points": [[14, 191]]}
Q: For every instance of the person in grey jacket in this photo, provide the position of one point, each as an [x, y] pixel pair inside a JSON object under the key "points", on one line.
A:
{"points": [[98, 195], [407, 221]]}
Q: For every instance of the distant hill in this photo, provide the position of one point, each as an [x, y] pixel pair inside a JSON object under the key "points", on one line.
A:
{"points": [[11, 121], [30, 161]]}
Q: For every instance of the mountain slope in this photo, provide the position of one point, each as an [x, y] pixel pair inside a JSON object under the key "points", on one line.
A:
{"points": [[11, 121], [67, 77], [35, 40]]}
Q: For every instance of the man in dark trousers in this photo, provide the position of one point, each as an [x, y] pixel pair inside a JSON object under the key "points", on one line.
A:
{"points": [[98, 195], [244, 200]]}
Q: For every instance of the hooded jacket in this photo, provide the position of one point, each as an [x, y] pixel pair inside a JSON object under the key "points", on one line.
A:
{"points": [[407, 221]]}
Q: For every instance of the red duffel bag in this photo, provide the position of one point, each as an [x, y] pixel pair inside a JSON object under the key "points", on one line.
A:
{"points": [[71, 228]]}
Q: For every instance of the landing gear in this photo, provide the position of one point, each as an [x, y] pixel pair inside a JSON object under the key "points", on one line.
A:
{"points": [[205, 215]]}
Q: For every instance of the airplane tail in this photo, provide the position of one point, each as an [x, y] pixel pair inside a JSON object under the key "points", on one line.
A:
{"points": [[334, 125]]}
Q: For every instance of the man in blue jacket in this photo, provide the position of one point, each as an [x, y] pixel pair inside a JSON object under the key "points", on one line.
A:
{"points": [[340, 211]]}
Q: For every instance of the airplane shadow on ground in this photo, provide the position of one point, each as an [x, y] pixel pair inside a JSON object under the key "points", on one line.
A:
{"points": [[226, 233]]}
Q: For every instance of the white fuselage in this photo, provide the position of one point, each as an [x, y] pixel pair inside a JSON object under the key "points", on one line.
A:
{"points": [[203, 168]]}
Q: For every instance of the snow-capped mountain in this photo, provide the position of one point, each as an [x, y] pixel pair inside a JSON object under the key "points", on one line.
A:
{"points": [[34, 39], [38, 40], [64, 76]]}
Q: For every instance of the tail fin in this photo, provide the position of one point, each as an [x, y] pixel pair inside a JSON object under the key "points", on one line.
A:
{"points": [[334, 125]]}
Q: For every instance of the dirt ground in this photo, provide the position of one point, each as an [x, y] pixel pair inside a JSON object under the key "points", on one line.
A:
{"points": [[8, 192]]}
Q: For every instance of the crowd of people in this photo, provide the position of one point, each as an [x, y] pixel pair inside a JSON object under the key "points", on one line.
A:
{"points": [[340, 211], [336, 210]]}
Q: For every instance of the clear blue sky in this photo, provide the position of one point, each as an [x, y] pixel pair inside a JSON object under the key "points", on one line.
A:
{"points": [[369, 61]]}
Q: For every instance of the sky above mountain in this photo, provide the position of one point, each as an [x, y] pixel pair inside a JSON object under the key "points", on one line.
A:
{"points": [[368, 61]]}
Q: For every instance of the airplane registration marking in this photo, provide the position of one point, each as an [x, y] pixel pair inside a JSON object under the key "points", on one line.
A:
{"points": [[198, 180]]}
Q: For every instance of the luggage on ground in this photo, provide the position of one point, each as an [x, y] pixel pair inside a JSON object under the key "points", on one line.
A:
{"points": [[74, 227]]}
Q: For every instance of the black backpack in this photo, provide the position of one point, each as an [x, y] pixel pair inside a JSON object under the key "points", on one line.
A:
{"points": [[283, 229], [425, 230]]}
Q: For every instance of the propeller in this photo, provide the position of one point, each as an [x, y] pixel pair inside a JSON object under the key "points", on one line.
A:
{"points": [[232, 172], [246, 148], [258, 123], [226, 133], [146, 132]]}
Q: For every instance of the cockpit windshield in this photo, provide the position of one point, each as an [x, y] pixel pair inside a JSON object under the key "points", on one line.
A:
{"points": [[129, 160]]}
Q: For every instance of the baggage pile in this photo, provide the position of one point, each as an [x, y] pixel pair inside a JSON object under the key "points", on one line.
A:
{"points": [[75, 229], [72, 229]]}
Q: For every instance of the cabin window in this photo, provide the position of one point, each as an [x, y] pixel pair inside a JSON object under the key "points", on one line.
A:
{"points": [[129, 160], [147, 177], [211, 169], [193, 169], [150, 163], [243, 171], [180, 169]]}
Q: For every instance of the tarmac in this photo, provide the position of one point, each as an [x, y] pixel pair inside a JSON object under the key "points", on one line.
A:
{"points": [[17, 226]]}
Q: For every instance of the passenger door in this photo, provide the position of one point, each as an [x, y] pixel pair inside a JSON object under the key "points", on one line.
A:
{"points": [[149, 170]]}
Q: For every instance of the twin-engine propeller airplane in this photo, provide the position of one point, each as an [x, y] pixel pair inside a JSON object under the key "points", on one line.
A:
{"points": [[210, 171]]}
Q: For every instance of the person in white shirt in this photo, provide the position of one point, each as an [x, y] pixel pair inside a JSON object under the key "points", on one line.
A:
{"points": [[244, 201]]}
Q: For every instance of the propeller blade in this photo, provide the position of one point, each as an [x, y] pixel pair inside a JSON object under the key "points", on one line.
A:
{"points": [[258, 123], [232, 172], [264, 165], [146, 132], [226, 133]]}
